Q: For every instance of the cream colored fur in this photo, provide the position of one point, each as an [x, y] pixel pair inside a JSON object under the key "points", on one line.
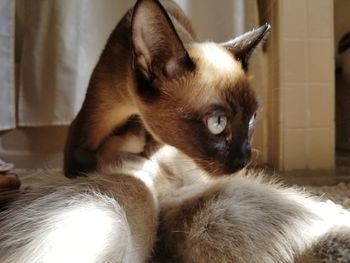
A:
{"points": [[112, 217]]}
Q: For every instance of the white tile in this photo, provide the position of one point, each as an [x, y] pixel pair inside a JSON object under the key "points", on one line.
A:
{"points": [[321, 106], [321, 149], [320, 18], [293, 18], [320, 60], [295, 108], [294, 149], [293, 68]]}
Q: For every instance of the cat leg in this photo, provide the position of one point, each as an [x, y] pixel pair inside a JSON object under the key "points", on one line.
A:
{"points": [[131, 139], [87, 133]]}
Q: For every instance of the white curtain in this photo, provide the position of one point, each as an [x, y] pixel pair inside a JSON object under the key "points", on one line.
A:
{"points": [[7, 91], [59, 42], [62, 40]]}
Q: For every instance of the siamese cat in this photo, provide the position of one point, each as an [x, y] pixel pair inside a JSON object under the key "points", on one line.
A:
{"points": [[193, 96], [167, 209]]}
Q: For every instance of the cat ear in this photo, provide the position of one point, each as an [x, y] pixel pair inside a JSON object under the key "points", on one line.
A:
{"points": [[243, 46], [156, 44]]}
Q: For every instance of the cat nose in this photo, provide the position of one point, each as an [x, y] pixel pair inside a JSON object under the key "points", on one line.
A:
{"points": [[246, 149], [239, 158]]}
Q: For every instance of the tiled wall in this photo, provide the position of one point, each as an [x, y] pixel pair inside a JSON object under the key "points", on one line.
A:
{"points": [[306, 84]]}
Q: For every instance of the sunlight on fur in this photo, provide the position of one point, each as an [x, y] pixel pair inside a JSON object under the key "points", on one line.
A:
{"points": [[333, 216], [219, 59], [154, 81], [80, 234]]}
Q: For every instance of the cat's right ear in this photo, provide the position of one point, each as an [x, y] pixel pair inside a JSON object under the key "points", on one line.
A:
{"points": [[157, 48], [243, 46]]}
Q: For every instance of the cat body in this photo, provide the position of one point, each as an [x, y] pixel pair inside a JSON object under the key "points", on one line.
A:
{"points": [[115, 216], [109, 217], [182, 91], [169, 207]]}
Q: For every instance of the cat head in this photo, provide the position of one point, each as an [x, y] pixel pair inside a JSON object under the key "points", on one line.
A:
{"points": [[195, 96]]}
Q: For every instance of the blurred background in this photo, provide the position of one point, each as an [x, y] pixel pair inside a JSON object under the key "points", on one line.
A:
{"points": [[48, 50]]}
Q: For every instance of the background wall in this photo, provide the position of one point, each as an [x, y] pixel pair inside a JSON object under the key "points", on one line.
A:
{"points": [[42, 146], [294, 79], [306, 84]]}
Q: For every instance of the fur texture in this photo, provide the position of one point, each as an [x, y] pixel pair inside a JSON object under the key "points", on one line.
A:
{"points": [[244, 218], [107, 218], [112, 217]]}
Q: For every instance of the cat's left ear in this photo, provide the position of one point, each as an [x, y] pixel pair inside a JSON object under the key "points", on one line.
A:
{"points": [[243, 46], [157, 47]]}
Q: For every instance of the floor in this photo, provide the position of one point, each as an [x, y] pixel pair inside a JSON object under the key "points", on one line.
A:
{"points": [[333, 185], [299, 177], [322, 177]]}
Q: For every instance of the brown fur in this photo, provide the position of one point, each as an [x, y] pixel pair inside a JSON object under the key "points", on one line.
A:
{"points": [[242, 218], [152, 67]]}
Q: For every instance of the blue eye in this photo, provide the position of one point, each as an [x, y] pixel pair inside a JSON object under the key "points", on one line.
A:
{"points": [[252, 121], [216, 124]]}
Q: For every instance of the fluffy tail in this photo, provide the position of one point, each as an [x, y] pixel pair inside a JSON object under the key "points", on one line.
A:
{"points": [[79, 222]]}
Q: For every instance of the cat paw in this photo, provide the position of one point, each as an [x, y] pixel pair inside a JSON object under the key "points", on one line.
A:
{"points": [[80, 163]]}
